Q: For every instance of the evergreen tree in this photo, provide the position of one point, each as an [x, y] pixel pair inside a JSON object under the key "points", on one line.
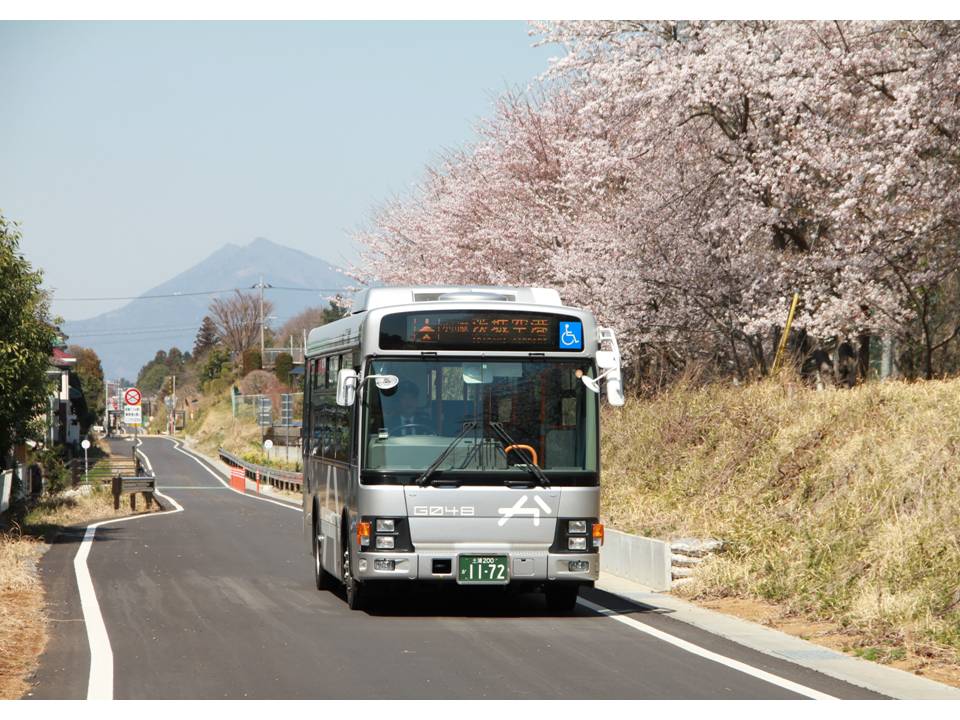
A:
{"points": [[206, 337]]}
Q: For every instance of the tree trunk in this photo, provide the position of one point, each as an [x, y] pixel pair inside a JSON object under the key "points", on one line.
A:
{"points": [[863, 357]]}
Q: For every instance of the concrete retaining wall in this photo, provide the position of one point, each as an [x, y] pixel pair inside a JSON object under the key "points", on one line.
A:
{"points": [[643, 560]]}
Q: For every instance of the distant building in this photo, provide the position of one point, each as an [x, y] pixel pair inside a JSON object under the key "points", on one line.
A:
{"points": [[63, 425]]}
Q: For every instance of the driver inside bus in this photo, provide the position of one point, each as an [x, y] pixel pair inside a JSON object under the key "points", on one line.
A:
{"points": [[408, 418]]}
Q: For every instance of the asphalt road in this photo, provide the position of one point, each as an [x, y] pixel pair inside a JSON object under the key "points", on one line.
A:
{"points": [[218, 601]]}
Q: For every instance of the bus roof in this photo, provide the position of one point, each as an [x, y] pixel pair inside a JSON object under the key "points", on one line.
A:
{"points": [[374, 298]]}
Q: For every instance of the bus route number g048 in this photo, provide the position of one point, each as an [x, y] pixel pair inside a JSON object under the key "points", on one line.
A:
{"points": [[483, 569]]}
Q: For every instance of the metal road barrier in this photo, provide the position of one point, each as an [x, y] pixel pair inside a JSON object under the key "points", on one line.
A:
{"points": [[282, 479]]}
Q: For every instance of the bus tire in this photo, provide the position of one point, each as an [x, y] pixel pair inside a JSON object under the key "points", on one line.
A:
{"points": [[320, 576], [352, 589], [561, 596]]}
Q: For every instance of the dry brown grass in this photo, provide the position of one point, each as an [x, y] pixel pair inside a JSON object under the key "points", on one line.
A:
{"points": [[840, 506], [23, 632], [22, 629], [216, 427]]}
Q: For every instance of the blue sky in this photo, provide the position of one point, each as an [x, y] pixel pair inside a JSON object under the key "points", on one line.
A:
{"points": [[130, 151]]}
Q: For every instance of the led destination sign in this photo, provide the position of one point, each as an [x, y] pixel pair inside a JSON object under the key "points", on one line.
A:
{"points": [[480, 330]]}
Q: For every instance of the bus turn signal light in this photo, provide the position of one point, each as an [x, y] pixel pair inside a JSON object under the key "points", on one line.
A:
{"points": [[597, 534], [363, 534]]}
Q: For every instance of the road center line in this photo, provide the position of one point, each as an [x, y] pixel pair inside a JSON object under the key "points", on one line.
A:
{"points": [[707, 654], [100, 678]]}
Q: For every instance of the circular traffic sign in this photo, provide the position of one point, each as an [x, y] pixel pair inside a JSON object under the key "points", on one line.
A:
{"points": [[268, 443], [132, 396], [85, 444]]}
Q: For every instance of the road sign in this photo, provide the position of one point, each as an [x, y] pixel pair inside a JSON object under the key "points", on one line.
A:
{"points": [[115, 404], [131, 396], [132, 415], [286, 409], [85, 444]]}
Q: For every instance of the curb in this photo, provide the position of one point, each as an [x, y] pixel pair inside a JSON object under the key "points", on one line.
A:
{"points": [[898, 684]]}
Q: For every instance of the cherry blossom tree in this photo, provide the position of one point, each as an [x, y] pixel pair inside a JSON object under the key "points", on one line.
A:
{"points": [[684, 179]]}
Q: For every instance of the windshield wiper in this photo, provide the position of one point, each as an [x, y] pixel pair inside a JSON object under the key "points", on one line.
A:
{"points": [[530, 465], [467, 427]]}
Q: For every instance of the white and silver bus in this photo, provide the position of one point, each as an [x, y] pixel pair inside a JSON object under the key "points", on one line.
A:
{"points": [[452, 434]]}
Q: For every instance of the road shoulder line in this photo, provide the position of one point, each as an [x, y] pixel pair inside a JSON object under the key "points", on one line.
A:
{"points": [[877, 678], [695, 649], [100, 678]]}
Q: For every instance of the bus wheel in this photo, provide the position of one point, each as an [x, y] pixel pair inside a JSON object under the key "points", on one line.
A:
{"points": [[320, 576], [350, 585], [562, 596]]}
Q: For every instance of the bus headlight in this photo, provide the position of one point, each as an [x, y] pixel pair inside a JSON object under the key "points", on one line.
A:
{"points": [[385, 542], [577, 543], [386, 525], [577, 527]]}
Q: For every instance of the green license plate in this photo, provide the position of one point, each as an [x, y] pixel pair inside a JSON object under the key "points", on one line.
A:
{"points": [[486, 569]]}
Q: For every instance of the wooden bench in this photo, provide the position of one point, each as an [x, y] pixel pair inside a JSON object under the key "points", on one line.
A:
{"points": [[144, 484]]}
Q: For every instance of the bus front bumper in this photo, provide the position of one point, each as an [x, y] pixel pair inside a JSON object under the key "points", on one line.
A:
{"points": [[442, 566]]}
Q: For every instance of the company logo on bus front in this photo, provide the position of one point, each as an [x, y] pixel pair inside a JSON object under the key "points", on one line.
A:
{"points": [[441, 510]]}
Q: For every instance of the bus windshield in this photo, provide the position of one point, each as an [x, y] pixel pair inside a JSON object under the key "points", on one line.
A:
{"points": [[485, 414]]}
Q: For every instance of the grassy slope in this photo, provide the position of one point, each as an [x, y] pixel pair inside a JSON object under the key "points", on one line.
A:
{"points": [[839, 505], [214, 426]]}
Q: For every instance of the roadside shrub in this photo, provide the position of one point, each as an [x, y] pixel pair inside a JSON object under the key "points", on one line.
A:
{"points": [[259, 382], [283, 367], [55, 472], [251, 361]]}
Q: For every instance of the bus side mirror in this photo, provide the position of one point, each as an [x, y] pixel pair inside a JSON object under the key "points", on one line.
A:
{"points": [[615, 389], [606, 360], [346, 387], [609, 362]]}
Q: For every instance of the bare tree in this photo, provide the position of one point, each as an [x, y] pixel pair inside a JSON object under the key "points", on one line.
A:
{"points": [[308, 319], [237, 320]]}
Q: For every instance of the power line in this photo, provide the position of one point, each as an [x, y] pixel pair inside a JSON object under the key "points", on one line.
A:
{"points": [[155, 329], [192, 294]]}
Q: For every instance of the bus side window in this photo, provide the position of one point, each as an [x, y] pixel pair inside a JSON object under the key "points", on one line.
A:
{"points": [[343, 426], [317, 420], [305, 427]]}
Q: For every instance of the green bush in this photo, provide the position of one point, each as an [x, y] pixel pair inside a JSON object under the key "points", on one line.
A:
{"points": [[252, 361], [283, 367], [217, 364], [54, 470]]}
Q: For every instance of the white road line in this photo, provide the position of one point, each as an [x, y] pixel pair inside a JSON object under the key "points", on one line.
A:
{"points": [[223, 482], [100, 678], [192, 487], [709, 655]]}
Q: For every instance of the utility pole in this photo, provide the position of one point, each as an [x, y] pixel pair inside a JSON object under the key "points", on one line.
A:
{"points": [[261, 285], [173, 407]]}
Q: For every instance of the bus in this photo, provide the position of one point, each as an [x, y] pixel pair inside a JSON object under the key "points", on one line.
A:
{"points": [[451, 435]]}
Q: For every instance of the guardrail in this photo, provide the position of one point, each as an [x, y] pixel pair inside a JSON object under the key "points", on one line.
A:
{"points": [[282, 479]]}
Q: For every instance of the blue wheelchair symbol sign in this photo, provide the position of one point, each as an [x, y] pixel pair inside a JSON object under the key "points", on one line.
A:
{"points": [[571, 336]]}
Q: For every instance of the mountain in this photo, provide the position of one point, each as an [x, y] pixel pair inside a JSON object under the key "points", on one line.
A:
{"points": [[128, 337]]}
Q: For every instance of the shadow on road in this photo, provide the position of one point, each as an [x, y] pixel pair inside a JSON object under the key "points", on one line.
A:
{"points": [[447, 600]]}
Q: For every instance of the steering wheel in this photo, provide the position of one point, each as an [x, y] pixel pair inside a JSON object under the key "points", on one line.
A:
{"points": [[429, 430]]}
